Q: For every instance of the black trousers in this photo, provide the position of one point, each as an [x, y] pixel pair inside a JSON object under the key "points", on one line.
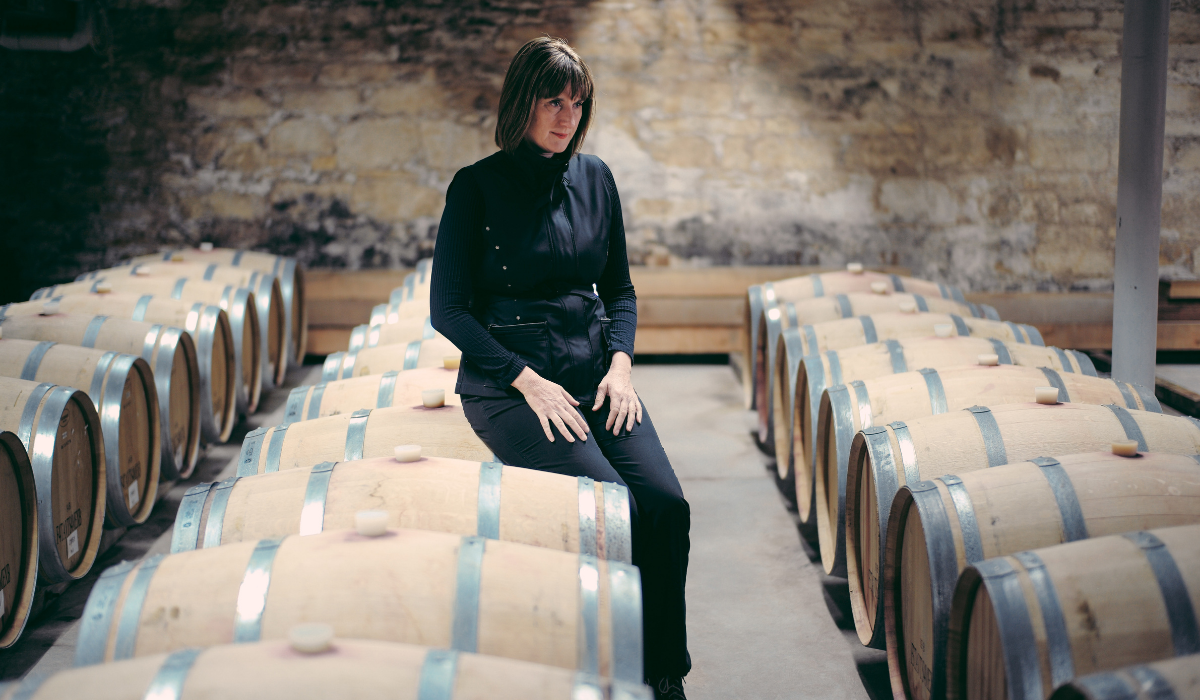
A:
{"points": [[661, 516]]}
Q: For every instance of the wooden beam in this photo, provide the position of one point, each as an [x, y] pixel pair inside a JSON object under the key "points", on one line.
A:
{"points": [[341, 285], [694, 340], [722, 281], [1184, 289]]}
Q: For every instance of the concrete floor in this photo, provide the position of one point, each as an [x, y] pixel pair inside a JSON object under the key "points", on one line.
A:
{"points": [[760, 623], [763, 620]]}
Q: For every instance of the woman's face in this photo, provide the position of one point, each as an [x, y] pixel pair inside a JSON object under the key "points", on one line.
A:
{"points": [[555, 120]]}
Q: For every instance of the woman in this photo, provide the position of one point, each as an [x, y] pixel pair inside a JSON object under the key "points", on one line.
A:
{"points": [[528, 237]]}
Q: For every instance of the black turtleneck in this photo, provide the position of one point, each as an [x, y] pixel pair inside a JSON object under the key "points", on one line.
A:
{"points": [[460, 247]]}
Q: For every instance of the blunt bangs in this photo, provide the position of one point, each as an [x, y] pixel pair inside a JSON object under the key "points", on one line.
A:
{"points": [[541, 69]]}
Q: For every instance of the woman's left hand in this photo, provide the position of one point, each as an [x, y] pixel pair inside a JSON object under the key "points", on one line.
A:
{"points": [[617, 386]]}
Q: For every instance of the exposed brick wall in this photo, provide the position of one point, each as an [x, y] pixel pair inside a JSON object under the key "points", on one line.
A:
{"points": [[971, 141]]}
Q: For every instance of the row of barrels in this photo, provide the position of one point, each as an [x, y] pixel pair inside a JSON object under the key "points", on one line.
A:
{"points": [[105, 396], [370, 544], [978, 490]]}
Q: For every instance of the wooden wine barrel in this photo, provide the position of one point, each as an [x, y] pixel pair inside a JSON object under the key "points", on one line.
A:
{"points": [[386, 390], [845, 410], [239, 304], [751, 315], [416, 283], [434, 493], [68, 471], [761, 297], [268, 295], [403, 331], [959, 442], [1022, 625], [208, 324], [801, 380], [441, 432], [395, 311], [349, 668], [432, 588], [122, 389], [1171, 679], [267, 332], [781, 317], [291, 283], [388, 358], [18, 538], [864, 330], [939, 526], [170, 353]]}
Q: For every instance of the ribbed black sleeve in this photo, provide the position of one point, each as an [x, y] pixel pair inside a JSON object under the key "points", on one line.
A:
{"points": [[614, 285], [451, 288]]}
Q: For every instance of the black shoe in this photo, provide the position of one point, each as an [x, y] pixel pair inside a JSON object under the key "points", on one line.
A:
{"points": [[667, 688]]}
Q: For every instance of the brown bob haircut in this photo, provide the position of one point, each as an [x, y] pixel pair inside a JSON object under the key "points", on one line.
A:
{"points": [[540, 70]]}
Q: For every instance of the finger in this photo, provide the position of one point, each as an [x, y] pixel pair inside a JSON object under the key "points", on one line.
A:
{"points": [[614, 406], [601, 393], [634, 405], [639, 411], [578, 424], [558, 423], [546, 427], [570, 399], [620, 419]]}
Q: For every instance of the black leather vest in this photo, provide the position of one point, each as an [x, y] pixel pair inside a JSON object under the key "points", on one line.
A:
{"points": [[534, 281]]}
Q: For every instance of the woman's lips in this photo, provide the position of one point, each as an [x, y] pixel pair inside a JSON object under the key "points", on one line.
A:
{"points": [[559, 135]]}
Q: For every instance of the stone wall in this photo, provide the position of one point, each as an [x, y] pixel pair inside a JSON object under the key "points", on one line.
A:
{"points": [[973, 142]]}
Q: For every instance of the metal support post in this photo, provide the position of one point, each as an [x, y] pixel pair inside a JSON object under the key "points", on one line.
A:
{"points": [[1139, 189]]}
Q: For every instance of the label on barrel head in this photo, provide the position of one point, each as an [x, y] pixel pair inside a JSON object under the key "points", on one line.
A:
{"points": [[2, 608], [133, 495], [73, 543]]}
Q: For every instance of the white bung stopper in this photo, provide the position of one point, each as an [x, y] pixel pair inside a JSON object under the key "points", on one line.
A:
{"points": [[451, 361], [433, 398], [908, 306], [1045, 394], [311, 638], [206, 247], [989, 360], [773, 313], [142, 270], [103, 288], [855, 268], [879, 287], [176, 257], [371, 523], [50, 308], [943, 330], [1125, 448], [769, 294], [408, 453]]}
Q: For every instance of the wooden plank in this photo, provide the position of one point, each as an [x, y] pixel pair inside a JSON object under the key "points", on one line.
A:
{"points": [[1184, 289], [713, 311], [721, 281], [369, 285], [1172, 335], [339, 312], [322, 341], [691, 340], [1050, 307]]}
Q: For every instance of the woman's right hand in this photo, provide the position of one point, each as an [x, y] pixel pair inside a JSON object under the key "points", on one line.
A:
{"points": [[552, 404]]}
